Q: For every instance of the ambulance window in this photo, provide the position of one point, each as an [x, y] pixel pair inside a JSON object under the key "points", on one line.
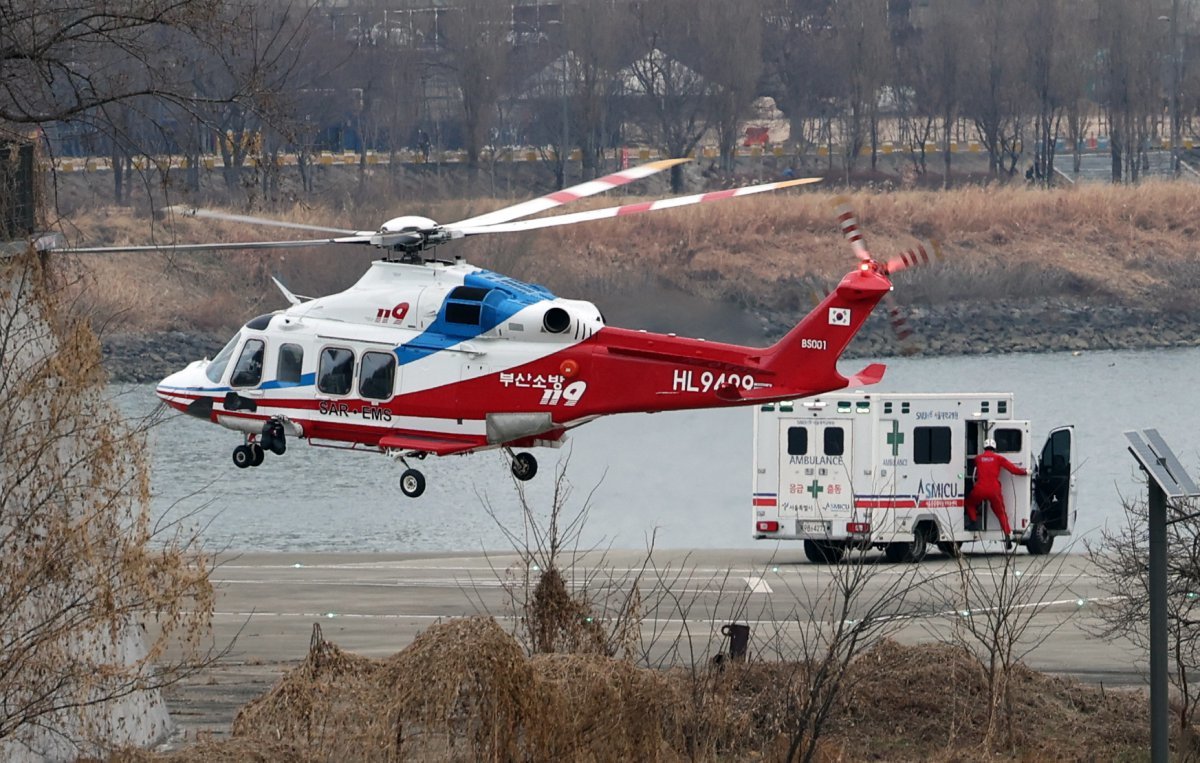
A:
{"points": [[216, 366], [797, 441], [336, 371], [1007, 440], [835, 441], [376, 374], [248, 371], [931, 445], [291, 360]]}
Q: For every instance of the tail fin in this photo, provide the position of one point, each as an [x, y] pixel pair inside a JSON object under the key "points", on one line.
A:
{"points": [[809, 352]]}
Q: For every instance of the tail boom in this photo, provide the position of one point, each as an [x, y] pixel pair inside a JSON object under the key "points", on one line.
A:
{"points": [[809, 352]]}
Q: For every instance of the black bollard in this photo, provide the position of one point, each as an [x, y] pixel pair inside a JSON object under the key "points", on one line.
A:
{"points": [[739, 639]]}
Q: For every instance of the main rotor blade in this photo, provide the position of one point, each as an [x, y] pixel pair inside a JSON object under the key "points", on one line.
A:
{"points": [[630, 209], [212, 247], [214, 215], [566, 195]]}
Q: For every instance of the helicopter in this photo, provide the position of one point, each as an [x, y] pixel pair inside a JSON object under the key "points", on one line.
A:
{"points": [[425, 356]]}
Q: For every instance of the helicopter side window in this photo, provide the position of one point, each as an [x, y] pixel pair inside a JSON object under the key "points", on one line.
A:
{"points": [[248, 371], [376, 375], [291, 361], [335, 374], [216, 366]]}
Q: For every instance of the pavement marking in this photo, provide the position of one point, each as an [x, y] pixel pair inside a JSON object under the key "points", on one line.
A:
{"points": [[758, 585]]}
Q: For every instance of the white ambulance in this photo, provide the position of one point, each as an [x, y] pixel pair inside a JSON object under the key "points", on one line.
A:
{"points": [[892, 470]]}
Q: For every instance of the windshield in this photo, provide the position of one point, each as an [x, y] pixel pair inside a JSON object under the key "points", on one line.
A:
{"points": [[216, 366]]}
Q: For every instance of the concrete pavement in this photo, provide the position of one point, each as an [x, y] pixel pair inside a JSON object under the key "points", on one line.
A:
{"points": [[375, 604]]}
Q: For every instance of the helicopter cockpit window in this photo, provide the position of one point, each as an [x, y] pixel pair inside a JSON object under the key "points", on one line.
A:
{"points": [[376, 375], [291, 361], [248, 371], [335, 373], [216, 366]]}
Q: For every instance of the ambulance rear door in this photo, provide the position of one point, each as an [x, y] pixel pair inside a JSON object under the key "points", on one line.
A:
{"points": [[814, 474], [1054, 485]]}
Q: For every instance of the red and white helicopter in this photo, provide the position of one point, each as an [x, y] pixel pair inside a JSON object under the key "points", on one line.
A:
{"points": [[424, 356]]}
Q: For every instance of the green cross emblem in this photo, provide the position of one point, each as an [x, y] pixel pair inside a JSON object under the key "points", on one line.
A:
{"points": [[815, 488], [895, 438]]}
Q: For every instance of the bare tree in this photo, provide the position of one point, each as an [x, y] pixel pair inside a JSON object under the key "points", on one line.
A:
{"points": [[864, 53], [799, 71], [996, 69], [1128, 83], [598, 46], [673, 96], [477, 44], [994, 606], [944, 52], [854, 610], [85, 566], [730, 36]]}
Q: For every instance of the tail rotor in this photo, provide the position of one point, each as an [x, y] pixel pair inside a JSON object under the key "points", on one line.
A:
{"points": [[924, 253]]}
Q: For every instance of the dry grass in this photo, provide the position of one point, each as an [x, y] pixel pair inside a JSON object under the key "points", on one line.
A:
{"points": [[464, 690], [1133, 245]]}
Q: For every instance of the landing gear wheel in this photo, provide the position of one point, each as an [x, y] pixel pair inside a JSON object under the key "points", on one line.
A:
{"points": [[412, 483], [257, 454], [824, 552], [524, 466], [911, 552], [952, 549], [1040, 540], [242, 457]]}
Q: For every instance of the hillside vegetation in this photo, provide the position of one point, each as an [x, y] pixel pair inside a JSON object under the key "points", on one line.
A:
{"points": [[1013, 255]]}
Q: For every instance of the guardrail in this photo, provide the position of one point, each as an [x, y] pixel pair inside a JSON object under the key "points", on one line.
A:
{"points": [[524, 154]]}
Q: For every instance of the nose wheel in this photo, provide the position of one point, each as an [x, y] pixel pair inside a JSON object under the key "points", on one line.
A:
{"points": [[524, 466]]}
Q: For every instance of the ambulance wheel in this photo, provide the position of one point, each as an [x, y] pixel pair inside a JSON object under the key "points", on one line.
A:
{"points": [[412, 483], [257, 454], [951, 548], [911, 552], [1040, 540], [242, 457], [524, 466], [820, 552]]}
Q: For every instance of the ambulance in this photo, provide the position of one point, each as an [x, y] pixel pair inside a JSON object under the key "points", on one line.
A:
{"points": [[892, 470]]}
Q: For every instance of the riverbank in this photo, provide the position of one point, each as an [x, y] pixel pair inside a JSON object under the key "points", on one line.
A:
{"points": [[1021, 270], [961, 329]]}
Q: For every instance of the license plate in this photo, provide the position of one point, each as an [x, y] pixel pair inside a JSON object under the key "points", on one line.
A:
{"points": [[814, 528]]}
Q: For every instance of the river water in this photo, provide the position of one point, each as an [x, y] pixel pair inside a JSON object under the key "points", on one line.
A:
{"points": [[683, 478]]}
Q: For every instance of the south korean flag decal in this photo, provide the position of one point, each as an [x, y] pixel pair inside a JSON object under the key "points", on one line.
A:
{"points": [[839, 316]]}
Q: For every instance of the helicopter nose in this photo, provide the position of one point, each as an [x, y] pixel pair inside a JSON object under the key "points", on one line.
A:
{"points": [[185, 391]]}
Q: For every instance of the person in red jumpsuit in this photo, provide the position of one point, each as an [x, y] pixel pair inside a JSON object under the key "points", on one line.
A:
{"points": [[987, 486]]}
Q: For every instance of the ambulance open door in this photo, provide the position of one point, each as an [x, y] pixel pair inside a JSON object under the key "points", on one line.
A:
{"points": [[1052, 481]]}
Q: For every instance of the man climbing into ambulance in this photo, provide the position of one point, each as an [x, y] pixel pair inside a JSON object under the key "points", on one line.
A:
{"points": [[987, 488]]}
